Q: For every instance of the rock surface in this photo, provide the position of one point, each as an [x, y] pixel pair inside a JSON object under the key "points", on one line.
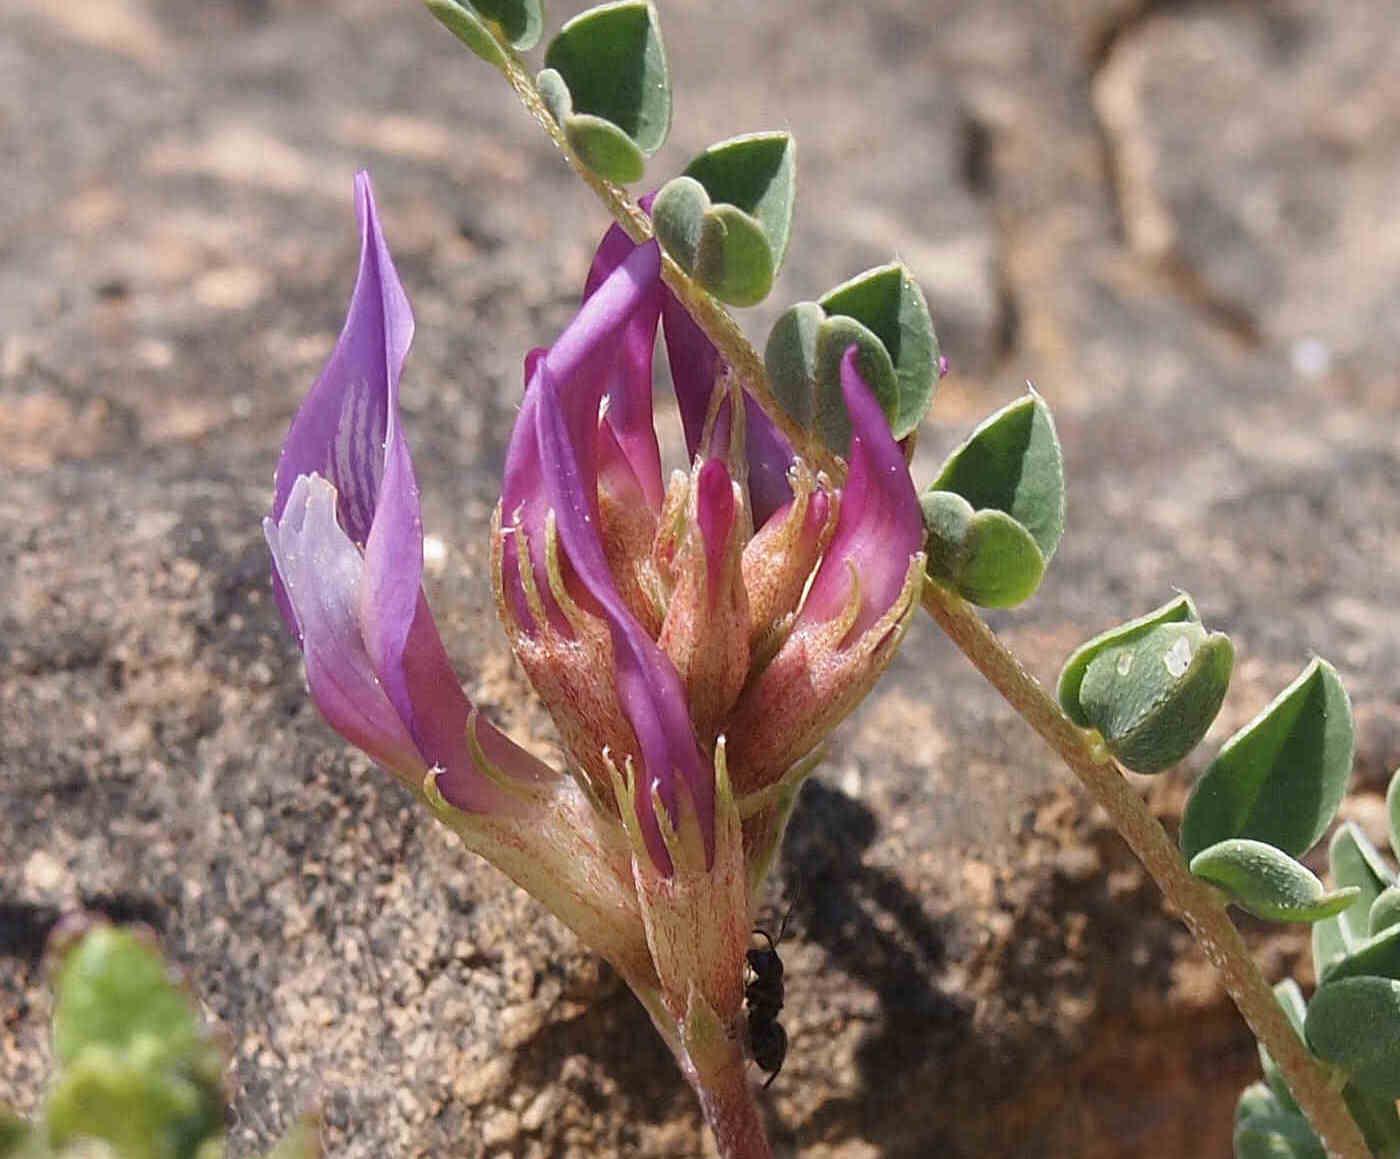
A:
{"points": [[1178, 220]]}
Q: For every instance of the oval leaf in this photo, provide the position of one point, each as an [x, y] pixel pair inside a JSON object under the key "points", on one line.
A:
{"points": [[754, 174], [612, 61], [1269, 883], [678, 216], [720, 246], [1355, 1025], [803, 359], [947, 519], [1154, 697], [605, 149], [987, 556], [1353, 860], [1179, 610], [888, 302], [1281, 777], [1385, 910], [734, 261], [1012, 463], [482, 25], [1003, 565]]}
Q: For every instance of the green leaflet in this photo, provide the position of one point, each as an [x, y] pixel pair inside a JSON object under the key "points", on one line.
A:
{"points": [[1280, 778], [1269, 883], [1354, 1023], [996, 511], [485, 25], [607, 84], [885, 315], [727, 219], [135, 1066], [987, 556], [1378, 955], [1012, 462], [1385, 910], [1151, 686]]}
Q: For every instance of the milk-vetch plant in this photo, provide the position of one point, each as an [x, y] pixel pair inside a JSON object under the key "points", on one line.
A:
{"points": [[695, 635]]}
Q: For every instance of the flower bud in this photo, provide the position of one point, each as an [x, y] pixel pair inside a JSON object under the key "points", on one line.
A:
{"points": [[705, 632]]}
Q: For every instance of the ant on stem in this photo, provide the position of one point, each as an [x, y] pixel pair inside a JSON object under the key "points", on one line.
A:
{"points": [[763, 999]]}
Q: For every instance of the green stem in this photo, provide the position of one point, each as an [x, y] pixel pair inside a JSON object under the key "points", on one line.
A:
{"points": [[1199, 906]]}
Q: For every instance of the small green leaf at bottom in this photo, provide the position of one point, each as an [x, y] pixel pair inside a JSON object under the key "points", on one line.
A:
{"points": [[1268, 883]]}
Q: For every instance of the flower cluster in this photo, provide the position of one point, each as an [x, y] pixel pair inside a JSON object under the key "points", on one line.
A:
{"points": [[694, 637]]}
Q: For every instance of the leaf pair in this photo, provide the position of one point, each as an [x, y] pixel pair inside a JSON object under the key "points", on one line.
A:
{"points": [[607, 84], [1151, 686], [881, 312], [1270, 794], [487, 27], [996, 511], [725, 221]]}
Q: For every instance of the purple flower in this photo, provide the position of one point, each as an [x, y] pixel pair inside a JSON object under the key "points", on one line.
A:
{"points": [[695, 604], [742, 603], [855, 612], [346, 536]]}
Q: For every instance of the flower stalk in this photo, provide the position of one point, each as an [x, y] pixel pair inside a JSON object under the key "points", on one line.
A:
{"points": [[1199, 906]]}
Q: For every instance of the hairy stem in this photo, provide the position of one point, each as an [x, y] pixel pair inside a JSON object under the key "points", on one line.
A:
{"points": [[730, 1108], [727, 1101], [1198, 904]]}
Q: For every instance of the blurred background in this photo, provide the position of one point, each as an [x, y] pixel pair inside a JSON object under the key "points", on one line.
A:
{"points": [[1181, 221]]}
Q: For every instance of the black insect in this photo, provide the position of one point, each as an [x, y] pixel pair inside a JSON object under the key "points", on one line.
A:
{"points": [[763, 999]]}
